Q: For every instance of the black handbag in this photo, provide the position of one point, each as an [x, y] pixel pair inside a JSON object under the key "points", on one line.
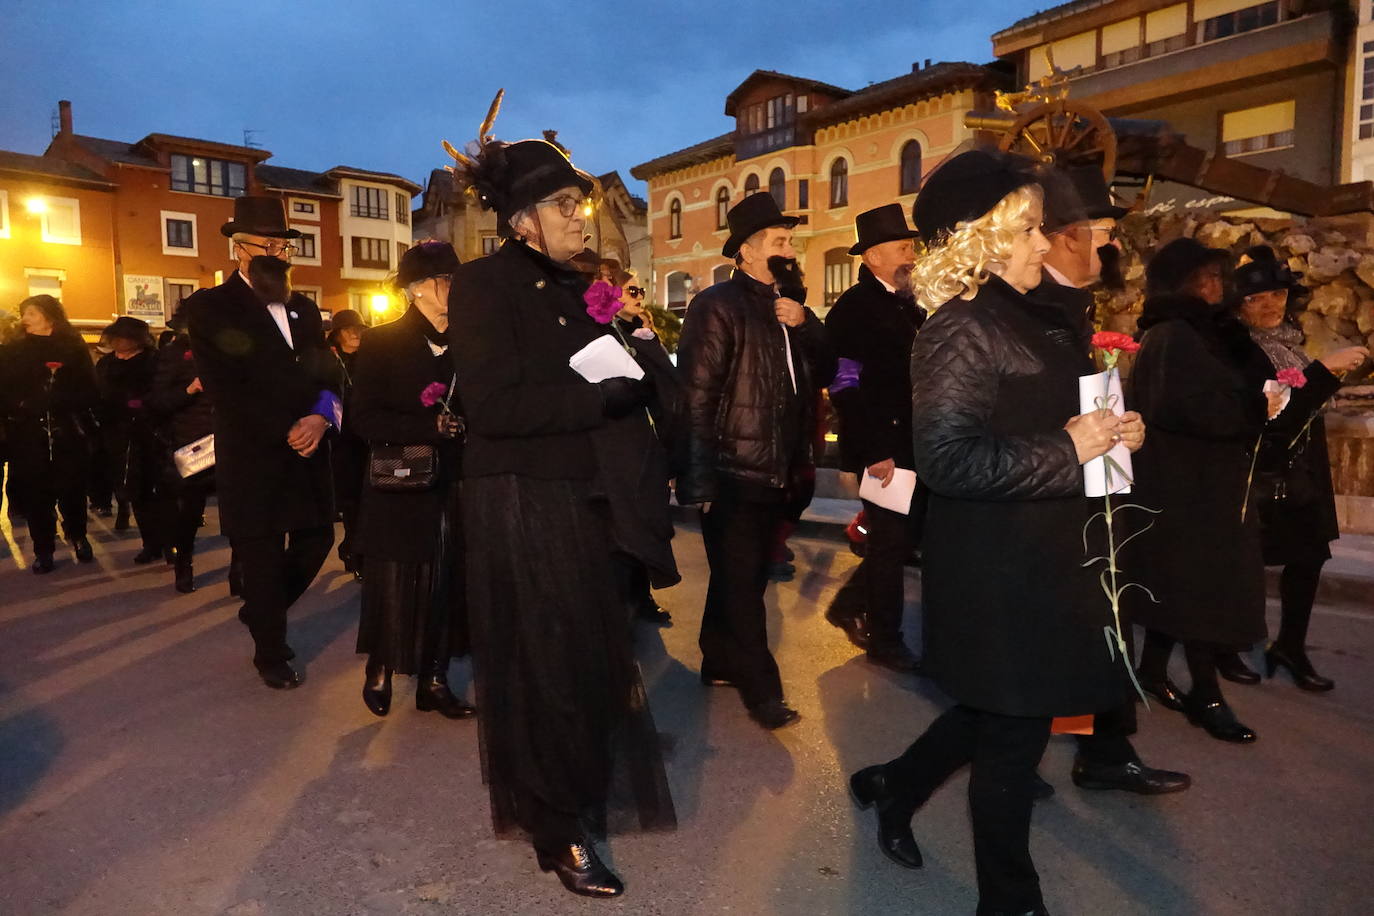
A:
{"points": [[402, 468]]}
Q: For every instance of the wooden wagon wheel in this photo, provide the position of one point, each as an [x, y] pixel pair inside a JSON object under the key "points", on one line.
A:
{"points": [[1064, 133]]}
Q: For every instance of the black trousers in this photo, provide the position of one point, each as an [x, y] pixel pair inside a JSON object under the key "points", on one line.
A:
{"points": [[182, 504], [277, 569], [1003, 752], [739, 537], [52, 484], [1297, 593], [1110, 742], [632, 583], [889, 544]]}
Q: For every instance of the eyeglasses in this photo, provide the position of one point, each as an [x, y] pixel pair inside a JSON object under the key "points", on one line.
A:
{"points": [[272, 248], [567, 204], [636, 292]]}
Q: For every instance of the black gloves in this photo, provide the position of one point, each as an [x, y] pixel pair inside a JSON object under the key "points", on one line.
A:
{"points": [[621, 395]]}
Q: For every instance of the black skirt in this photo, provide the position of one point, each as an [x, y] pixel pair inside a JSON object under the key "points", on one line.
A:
{"points": [[563, 715]]}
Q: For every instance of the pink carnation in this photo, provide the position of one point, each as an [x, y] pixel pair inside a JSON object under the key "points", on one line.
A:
{"points": [[1293, 378], [433, 393], [643, 333], [603, 301]]}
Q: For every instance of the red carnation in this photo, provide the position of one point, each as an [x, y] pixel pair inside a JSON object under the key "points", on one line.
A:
{"points": [[53, 366], [1112, 341]]}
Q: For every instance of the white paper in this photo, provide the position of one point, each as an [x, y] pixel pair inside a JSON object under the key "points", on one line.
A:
{"points": [[1273, 385], [1094, 393], [895, 496], [605, 358]]}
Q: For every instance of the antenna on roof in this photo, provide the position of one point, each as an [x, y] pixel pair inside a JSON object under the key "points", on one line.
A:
{"points": [[250, 139], [56, 122]]}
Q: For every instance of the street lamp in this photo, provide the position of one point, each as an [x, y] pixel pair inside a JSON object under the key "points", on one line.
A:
{"points": [[36, 205], [381, 304]]}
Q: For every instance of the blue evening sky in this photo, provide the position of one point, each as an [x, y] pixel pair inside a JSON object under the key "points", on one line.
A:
{"points": [[378, 84]]}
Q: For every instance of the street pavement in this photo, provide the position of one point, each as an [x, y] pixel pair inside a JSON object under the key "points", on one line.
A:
{"points": [[145, 770]]}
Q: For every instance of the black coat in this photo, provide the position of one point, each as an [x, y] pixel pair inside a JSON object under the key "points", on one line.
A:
{"points": [[261, 387], [874, 328], [126, 420], [1077, 305], [31, 394], [744, 420], [1194, 384], [1013, 622], [182, 417], [395, 364]]}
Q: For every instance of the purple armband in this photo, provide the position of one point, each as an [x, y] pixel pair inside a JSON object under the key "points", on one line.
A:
{"points": [[846, 376], [328, 406]]}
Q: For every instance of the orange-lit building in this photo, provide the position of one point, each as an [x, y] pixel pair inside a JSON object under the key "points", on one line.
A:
{"points": [[115, 228], [826, 153]]}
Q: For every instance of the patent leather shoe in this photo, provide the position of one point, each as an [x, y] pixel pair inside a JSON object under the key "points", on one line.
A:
{"points": [[1233, 668], [1128, 777], [1298, 665], [146, 556], [432, 695], [1217, 719], [278, 675], [894, 657], [580, 869], [869, 788], [84, 554], [773, 714], [1041, 790], [852, 624], [42, 564], [1165, 691], [377, 689]]}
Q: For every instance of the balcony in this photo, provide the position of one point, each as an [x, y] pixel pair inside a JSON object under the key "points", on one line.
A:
{"points": [[747, 147]]}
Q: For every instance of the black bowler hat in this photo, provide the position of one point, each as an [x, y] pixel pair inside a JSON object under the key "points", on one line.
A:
{"points": [[265, 216], [755, 213], [425, 260], [965, 188], [1263, 271], [881, 224]]}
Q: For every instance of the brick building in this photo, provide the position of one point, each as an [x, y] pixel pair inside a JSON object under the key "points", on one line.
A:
{"points": [[826, 153], [117, 228]]}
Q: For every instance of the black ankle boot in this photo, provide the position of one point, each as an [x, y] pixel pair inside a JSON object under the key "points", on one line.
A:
{"points": [[185, 577], [82, 547], [432, 695], [42, 564], [580, 869], [1298, 665], [377, 688]]}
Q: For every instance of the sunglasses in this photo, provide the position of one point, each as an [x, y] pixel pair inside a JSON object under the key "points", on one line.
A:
{"points": [[636, 292]]}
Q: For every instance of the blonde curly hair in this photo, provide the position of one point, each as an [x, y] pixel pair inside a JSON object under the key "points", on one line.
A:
{"points": [[960, 263]]}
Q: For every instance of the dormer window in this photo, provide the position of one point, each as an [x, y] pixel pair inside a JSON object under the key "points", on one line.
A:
{"points": [[767, 125], [200, 175]]}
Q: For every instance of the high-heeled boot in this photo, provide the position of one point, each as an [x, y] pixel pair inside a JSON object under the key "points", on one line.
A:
{"points": [[1298, 665], [433, 695], [377, 688]]}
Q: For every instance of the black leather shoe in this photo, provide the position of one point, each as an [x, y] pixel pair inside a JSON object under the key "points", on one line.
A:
{"points": [[1231, 667], [1165, 691], [895, 657], [42, 564], [377, 689], [1218, 720], [1298, 665], [432, 695], [581, 870], [185, 578], [852, 624], [278, 675], [82, 547], [146, 556], [774, 714], [1128, 777], [868, 788], [652, 613], [1040, 788]]}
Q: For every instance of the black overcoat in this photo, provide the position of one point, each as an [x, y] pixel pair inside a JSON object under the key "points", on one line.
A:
{"points": [[261, 386], [182, 417], [32, 397], [874, 328], [1013, 622], [393, 366], [1193, 382]]}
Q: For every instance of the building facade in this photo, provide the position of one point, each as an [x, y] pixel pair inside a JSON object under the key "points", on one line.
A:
{"points": [[115, 228], [825, 153]]}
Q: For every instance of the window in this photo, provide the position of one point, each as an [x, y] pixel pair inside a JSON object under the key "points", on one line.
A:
{"points": [[400, 251], [1166, 30], [1258, 130], [304, 209], [675, 219], [402, 209], [1121, 43], [767, 125], [368, 203], [722, 208], [208, 176], [777, 186], [751, 185], [803, 193], [371, 253], [61, 220], [1237, 21], [839, 183], [677, 291], [722, 272], [176, 291], [490, 244], [839, 274], [44, 281], [312, 294], [911, 167], [4, 214], [179, 233], [307, 248]]}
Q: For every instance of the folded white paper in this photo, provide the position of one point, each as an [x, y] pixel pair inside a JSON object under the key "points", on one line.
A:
{"points": [[605, 358], [896, 496], [1100, 478], [1273, 385]]}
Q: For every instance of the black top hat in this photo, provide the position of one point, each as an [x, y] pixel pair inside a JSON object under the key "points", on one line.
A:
{"points": [[1265, 272], [881, 224], [1077, 195], [755, 213], [425, 260], [965, 188], [265, 216]]}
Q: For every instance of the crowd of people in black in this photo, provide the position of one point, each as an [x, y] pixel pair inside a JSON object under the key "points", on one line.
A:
{"points": [[501, 458]]}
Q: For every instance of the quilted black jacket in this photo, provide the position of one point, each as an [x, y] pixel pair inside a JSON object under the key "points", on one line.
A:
{"points": [[733, 359]]}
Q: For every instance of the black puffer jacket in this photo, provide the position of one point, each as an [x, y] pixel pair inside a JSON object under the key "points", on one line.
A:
{"points": [[1013, 621], [744, 420]]}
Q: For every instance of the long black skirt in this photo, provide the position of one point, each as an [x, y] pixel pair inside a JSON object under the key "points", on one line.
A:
{"points": [[563, 717], [414, 613]]}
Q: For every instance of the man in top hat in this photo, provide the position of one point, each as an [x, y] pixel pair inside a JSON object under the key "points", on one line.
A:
{"points": [[1080, 223], [753, 358], [263, 360], [871, 329]]}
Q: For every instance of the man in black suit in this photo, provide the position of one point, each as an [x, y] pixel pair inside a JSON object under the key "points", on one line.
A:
{"points": [[263, 360], [872, 327]]}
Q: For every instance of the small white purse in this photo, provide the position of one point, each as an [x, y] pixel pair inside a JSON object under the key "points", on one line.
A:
{"points": [[195, 456]]}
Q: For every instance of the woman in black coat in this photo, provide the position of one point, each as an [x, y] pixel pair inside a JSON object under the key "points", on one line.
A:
{"points": [[560, 700], [1013, 621], [48, 393], [1193, 382], [410, 540], [348, 459], [1293, 496], [125, 378]]}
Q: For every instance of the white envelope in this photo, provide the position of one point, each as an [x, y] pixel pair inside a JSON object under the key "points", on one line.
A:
{"points": [[895, 496], [1094, 393], [605, 358]]}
